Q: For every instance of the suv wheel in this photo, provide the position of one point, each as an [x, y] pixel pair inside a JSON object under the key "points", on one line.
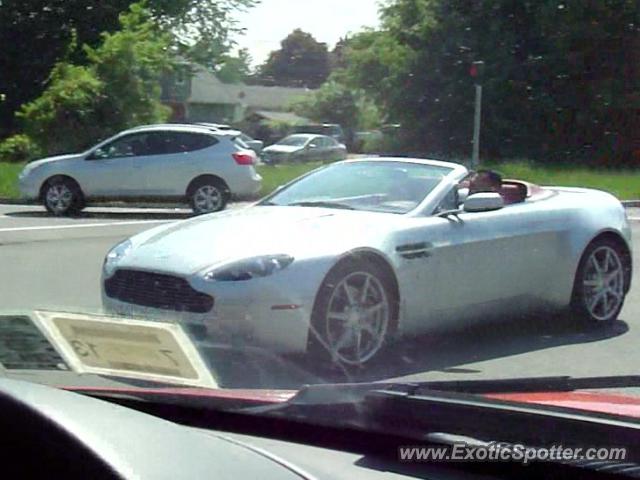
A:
{"points": [[208, 196], [62, 196]]}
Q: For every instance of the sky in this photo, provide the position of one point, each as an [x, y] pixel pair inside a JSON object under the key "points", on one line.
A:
{"points": [[268, 23]]}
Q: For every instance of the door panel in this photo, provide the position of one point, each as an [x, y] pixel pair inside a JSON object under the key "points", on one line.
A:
{"points": [[481, 261], [116, 169], [167, 175], [108, 177]]}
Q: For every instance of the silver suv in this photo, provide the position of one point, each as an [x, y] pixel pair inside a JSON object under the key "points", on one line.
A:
{"points": [[156, 162]]}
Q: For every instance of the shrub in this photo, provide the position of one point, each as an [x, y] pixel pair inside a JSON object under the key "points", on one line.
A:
{"points": [[18, 148], [384, 144], [63, 119]]}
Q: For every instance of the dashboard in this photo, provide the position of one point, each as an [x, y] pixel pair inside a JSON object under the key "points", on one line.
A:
{"points": [[67, 435]]}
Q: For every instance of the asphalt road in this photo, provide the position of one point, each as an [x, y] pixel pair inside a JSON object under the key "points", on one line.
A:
{"points": [[54, 263]]}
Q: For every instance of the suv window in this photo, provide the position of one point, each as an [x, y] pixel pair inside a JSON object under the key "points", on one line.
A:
{"points": [[128, 146], [154, 143], [189, 142]]}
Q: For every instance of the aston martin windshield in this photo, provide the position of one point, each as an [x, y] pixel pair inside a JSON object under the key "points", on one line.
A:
{"points": [[394, 187]]}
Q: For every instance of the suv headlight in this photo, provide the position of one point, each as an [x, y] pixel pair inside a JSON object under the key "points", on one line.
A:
{"points": [[114, 256], [249, 268]]}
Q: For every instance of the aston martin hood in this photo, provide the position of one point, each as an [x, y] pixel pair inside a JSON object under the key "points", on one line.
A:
{"points": [[189, 246]]}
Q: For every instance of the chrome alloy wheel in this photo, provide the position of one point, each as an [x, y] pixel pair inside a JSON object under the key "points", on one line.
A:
{"points": [[603, 283], [357, 318]]}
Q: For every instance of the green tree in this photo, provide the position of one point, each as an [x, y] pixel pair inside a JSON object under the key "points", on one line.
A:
{"points": [[301, 61], [119, 88], [335, 102], [562, 78], [202, 30], [34, 35], [234, 68]]}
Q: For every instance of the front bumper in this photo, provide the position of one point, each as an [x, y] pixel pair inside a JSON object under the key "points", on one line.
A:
{"points": [[260, 313], [28, 188]]}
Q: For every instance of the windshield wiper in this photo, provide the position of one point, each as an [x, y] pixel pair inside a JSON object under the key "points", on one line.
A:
{"points": [[321, 203]]}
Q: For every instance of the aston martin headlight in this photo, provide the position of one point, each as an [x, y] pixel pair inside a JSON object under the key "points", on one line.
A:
{"points": [[114, 256], [249, 268]]}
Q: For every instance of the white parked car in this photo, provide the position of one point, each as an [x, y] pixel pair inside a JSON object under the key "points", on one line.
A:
{"points": [[253, 144], [361, 252], [156, 162], [304, 147]]}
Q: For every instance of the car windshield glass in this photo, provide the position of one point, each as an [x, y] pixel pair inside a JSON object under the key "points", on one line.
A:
{"points": [[261, 195], [395, 187], [294, 141]]}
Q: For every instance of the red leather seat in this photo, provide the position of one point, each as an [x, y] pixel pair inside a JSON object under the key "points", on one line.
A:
{"points": [[513, 192]]}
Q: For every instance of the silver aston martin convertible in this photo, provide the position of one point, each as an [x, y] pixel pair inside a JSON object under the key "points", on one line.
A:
{"points": [[350, 256]]}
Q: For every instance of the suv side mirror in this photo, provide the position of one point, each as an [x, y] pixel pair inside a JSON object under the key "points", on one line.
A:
{"points": [[483, 202]]}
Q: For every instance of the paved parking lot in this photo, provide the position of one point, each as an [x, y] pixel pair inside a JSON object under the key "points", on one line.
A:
{"points": [[50, 262]]}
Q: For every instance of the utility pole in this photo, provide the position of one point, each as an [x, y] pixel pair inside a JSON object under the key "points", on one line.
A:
{"points": [[476, 71]]}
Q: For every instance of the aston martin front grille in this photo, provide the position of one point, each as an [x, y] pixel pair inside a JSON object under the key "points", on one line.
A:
{"points": [[155, 290]]}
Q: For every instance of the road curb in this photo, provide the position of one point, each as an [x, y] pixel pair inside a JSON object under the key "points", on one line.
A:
{"points": [[631, 203], [124, 205], [16, 201]]}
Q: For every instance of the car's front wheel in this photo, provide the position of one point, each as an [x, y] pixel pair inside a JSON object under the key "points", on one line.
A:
{"points": [[601, 283], [62, 196], [208, 196], [355, 314]]}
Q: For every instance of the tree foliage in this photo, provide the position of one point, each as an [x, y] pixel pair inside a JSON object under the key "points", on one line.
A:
{"points": [[34, 35], [335, 102], [202, 29], [562, 77], [18, 148], [119, 88], [234, 68], [301, 61]]}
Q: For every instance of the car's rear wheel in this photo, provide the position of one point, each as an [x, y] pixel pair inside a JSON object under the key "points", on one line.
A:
{"points": [[600, 284], [62, 196], [208, 196], [355, 314]]}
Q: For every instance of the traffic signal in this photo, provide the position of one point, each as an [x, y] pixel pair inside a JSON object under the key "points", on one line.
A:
{"points": [[476, 71]]}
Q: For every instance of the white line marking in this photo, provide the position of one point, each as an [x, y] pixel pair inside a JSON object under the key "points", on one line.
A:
{"points": [[82, 225], [637, 219]]}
